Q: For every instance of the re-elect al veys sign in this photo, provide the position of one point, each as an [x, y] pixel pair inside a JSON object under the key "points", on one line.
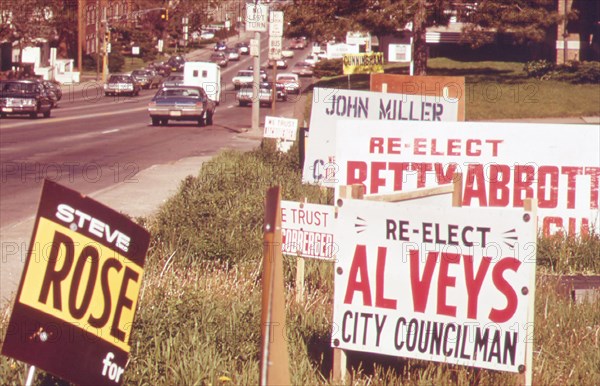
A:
{"points": [[445, 284], [76, 302], [501, 163], [330, 105]]}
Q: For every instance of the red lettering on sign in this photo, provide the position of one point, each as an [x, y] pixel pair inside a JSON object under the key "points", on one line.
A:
{"points": [[571, 172], [509, 263], [420, 284], [594, 173], [445, 281], [474, 283], [524, 177], [380, 299], [475, 185], [359, 267], [499, 194]]}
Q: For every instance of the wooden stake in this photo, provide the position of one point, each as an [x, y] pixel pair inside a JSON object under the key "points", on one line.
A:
{"points": [[300, 278], [274, 359], [530, 205]]}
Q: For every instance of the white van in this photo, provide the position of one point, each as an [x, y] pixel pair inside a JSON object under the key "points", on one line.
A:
{"points": [[206, 75]]}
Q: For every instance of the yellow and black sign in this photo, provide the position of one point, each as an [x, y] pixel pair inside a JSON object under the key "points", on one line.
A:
{"points": [[366, 63], [77, 298]]}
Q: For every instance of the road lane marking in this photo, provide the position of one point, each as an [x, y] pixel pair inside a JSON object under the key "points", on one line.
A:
{"points": [[110, 131]]}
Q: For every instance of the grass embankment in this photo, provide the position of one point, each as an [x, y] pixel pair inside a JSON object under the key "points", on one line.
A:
{"points": [[501, 90], [198, 320]]}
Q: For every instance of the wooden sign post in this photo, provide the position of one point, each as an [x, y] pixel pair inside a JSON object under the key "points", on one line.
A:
{"points": [[274, 360]]}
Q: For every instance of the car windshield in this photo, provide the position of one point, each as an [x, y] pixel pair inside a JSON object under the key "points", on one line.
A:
{"points": [[287, 78], [119, 79], [140, 72], [17, 87], [179, 92], [245, 73]]}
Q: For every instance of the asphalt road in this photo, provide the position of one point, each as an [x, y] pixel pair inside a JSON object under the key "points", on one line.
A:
{"points": [[105, 147]]}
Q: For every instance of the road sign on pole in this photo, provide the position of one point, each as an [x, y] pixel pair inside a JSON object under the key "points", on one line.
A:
{"points": [[275, 47], [256, 17], [276, 23]]}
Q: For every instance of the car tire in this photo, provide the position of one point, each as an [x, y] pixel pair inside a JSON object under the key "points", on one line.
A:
{"points": [[164, 122], [209, 118], [242, 104], [46, 114], [155, 121], [33, 115]]}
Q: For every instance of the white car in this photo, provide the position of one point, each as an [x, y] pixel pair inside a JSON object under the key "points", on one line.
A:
{"points": [[206, 35], [290, 81], [312, 60], [288, 53], [243, 78]]}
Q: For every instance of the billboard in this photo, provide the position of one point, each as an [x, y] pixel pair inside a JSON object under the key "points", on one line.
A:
{"points": [[364, 63], [445, 284], [501, 163], [74, 309]]}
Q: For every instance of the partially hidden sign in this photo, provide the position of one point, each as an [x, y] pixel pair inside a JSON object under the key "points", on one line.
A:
{"points": [[74, 309], [331, 105], [307, 230], [363, 63], [444, 284], [502, 165]]}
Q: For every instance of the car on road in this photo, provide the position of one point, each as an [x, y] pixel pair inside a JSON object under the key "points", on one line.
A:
{"points": [[287, 53], [263, 73], [303, 69], [232, 54], [281, 64], [118, 84], [312, 59], [220, 46], [176, 63], [181, 103], [245, 95], [207, 35], [242, 78], [243, 48], [53, 90], [298, 44], [147, 79], [19, 97], [175, 79], [220, 58], [290, 81]]}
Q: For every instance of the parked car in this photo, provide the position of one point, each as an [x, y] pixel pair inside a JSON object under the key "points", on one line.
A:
{"points": [[147, 78], [121, 84], [19, 97], [242, 78], [298, 44], [175, 79], [220, 58], [232, 54], [53, 90], [181, 103], [243, 48], [303, 69], [220, 46], [290, 81], [280, 64]]}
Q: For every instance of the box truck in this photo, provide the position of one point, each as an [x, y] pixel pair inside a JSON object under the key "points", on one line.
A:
{"points": [[206, 75]]}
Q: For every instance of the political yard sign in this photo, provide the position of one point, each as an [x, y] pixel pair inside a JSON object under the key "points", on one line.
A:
{"points": [[445, 284], [501, 163], [74, 309], [330, 105], [307, 230]]}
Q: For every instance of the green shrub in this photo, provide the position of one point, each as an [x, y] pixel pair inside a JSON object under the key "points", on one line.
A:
{"points": [[116, 61], [538, 68], [329, 67]]}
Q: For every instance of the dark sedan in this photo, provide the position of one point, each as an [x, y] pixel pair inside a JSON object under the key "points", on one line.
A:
{"points": [[181, 103], [24, 97]]}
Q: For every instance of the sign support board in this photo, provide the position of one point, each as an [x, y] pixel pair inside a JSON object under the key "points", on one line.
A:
{"points": [[77, 298]]}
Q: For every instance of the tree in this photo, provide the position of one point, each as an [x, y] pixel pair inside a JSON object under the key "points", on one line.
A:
{"points": [[323, 19], [521, 21]]}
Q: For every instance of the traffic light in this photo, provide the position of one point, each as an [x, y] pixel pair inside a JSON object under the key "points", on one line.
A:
{"points": [[164, 14], [107, 35]]}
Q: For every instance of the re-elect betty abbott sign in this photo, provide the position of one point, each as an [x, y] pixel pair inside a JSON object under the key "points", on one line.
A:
{"points": [[502, 164], [445, 284], [330, 105]]}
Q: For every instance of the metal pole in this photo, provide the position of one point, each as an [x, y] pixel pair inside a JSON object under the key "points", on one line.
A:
{"points": [[256, 88]]}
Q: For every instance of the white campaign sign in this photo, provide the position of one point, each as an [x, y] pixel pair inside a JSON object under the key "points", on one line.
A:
{"points": [[257, 17], [282, 128], [444, 284], [501, 163], [307, 230], [331, 105]]}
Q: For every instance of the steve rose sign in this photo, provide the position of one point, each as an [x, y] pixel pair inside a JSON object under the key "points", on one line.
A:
{"points": [[444, 284], [502, 164], [75, 305]]}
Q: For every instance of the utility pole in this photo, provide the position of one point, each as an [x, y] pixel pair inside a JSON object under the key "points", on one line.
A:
{"points": [[106, 41], [81, 27]]}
